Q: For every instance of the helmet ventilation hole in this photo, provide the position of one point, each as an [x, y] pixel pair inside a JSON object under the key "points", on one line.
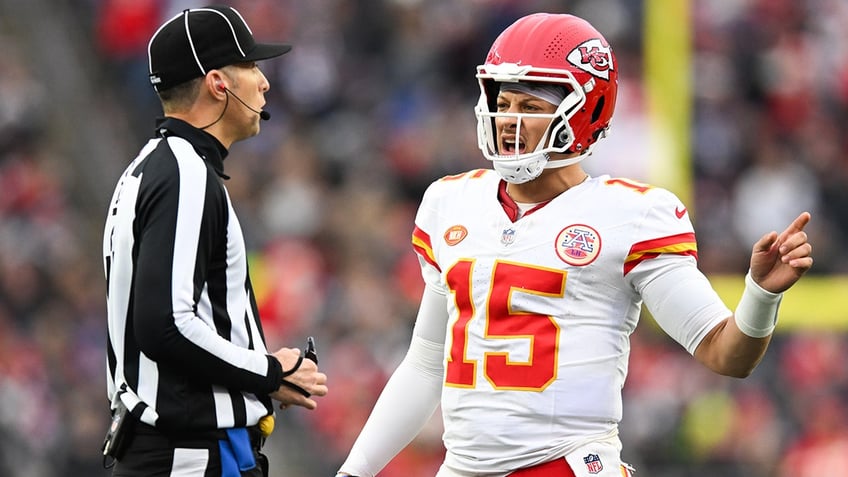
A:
{"points": [[596, 113]]}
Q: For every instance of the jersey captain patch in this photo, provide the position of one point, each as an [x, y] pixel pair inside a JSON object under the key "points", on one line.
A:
{"points": [[578, 245]]}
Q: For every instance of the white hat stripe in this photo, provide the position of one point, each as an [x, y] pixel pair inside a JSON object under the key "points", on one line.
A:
{"points": [[229, 24], [191, 43], [242, 20]]}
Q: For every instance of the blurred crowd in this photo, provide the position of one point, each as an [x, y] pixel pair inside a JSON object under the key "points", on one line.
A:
{"points": [[375, 102]]}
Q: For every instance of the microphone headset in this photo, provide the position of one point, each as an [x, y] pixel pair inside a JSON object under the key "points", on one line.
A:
{"points": [[264, 115]]}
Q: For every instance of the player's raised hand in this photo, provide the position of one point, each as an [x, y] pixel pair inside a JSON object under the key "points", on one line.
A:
{"points": [[778, 261]]}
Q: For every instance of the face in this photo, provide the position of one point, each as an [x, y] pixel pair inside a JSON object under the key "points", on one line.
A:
{"points": [[514, 140], [249, 84]]}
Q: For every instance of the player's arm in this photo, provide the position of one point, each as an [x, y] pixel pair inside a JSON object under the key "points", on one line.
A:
{"points": [[181, 213], [410, 396], [727, 350], [737, 345], [688, 309]]}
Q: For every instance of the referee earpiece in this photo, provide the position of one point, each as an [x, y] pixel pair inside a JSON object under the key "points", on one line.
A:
{"points": [[221, 86]]}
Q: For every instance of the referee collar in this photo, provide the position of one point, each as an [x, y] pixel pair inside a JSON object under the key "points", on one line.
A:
{"points": [[207, 145]]}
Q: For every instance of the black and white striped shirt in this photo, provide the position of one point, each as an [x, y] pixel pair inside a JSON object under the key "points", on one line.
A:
{"points": [[186, 349]]}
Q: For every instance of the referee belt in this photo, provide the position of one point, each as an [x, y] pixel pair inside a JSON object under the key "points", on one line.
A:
{"points": [[194, 439]]}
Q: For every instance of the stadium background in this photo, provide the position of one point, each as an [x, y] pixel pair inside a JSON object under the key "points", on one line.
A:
{"points": [[739, 106]]}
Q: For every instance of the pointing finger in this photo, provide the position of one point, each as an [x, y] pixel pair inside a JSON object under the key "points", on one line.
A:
{"points": [[797, 225]]}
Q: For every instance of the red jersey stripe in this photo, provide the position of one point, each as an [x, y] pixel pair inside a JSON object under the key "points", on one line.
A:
{"points": [[423, 247], [680, 244]]}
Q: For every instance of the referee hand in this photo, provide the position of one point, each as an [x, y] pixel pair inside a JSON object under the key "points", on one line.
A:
{"points": [[306, 377]]}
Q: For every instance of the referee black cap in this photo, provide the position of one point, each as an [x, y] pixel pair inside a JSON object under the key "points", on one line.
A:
{"points": [[201, 39]]}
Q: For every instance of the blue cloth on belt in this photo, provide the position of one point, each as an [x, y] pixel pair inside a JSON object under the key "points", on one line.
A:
{"points": [[236, 453]]}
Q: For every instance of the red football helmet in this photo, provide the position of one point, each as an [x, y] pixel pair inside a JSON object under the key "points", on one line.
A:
{"points": [[554, 49]]}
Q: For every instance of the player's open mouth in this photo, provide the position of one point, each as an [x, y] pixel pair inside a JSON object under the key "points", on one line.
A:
{"points": [[510, 146]]}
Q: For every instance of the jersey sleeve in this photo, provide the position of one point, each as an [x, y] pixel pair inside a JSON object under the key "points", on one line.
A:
{"points": [[681, 299], [426, 224], [662, 266], [664, 229]]}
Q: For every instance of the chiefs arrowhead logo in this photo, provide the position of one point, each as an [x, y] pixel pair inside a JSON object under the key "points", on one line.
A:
{"points": [[593, 57]]}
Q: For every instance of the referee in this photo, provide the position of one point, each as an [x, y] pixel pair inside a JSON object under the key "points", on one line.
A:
{"points": [[190, 381]]}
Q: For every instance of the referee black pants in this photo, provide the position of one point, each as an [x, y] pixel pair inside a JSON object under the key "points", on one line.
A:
{"points": [[149, 453]]}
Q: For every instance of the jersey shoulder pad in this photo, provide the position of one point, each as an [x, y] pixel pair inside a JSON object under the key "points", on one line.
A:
{"points": [[463, 183], [639, 194]]}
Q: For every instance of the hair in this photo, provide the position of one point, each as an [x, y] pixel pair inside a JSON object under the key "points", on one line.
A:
{"points": [[181, 97]]}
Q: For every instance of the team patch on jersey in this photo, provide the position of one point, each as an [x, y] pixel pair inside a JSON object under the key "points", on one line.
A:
{"points": [[578, 245], [455, 234], [593, 463]]}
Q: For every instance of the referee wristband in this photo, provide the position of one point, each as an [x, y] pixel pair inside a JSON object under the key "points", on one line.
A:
{"points": [[756, 314]]}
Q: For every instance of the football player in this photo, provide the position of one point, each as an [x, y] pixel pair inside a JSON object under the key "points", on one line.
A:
{"points": [[536, 274]]}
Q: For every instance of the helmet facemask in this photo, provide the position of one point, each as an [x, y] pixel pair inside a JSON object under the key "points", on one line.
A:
{"points": [[558, 138]]}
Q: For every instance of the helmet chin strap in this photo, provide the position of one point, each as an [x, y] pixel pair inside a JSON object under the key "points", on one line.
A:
{"points": [[557, 163]]}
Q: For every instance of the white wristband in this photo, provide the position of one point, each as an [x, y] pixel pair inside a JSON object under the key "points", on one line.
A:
{"points": [[756, 314]]}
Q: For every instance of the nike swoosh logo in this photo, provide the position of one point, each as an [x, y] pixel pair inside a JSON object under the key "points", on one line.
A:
{"points": [[679, 212]]}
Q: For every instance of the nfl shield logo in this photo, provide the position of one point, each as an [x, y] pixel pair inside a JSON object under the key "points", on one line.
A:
{"points": [[508, 236], [593, 463]]}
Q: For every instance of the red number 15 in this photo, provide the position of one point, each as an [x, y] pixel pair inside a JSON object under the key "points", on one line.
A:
{"points": [[503, 322]]}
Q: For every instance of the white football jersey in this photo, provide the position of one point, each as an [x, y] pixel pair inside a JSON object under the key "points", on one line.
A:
{"points": [[541, 310]]}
